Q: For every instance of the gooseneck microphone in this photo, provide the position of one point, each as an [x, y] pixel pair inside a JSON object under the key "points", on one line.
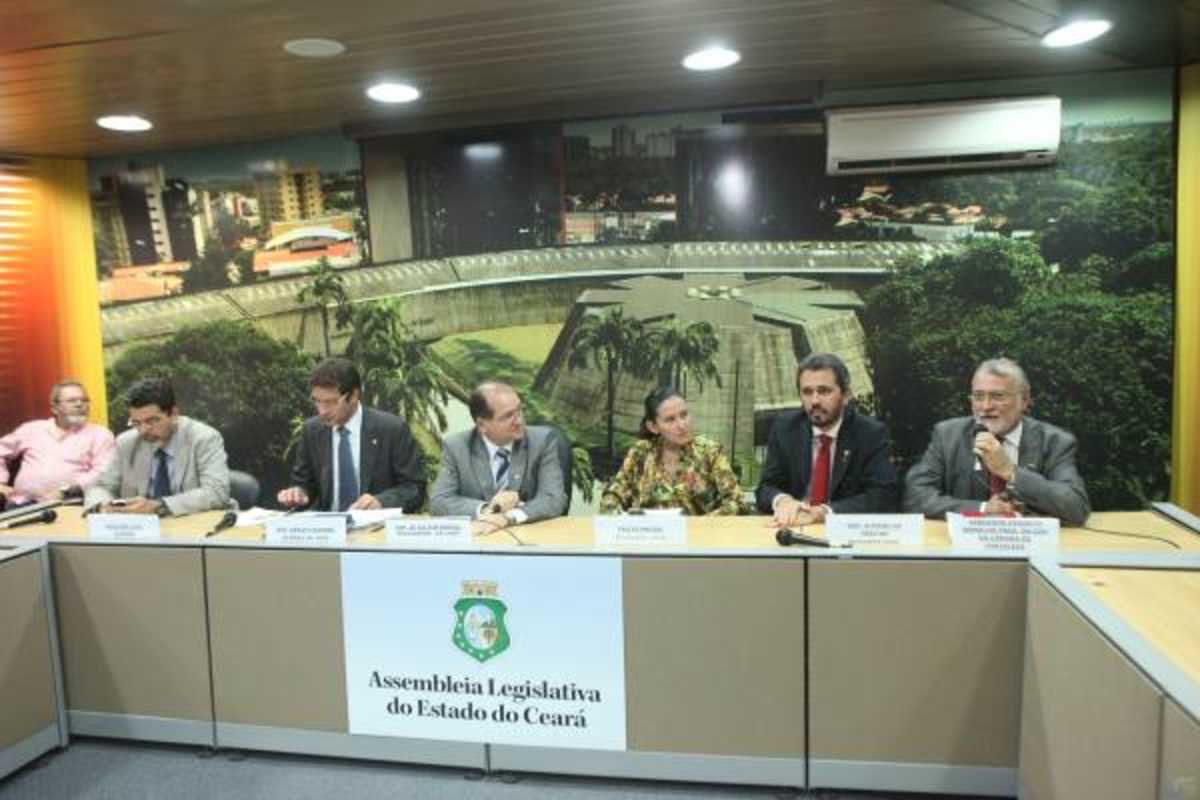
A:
{"points": [[48, 515], [787, 537], [227, 521]]}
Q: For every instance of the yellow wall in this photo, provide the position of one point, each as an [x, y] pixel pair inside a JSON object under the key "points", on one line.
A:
{"points": [[1185, 460]]}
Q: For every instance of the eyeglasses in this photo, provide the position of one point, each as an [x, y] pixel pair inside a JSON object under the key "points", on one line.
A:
{"points": [[995, 397]]}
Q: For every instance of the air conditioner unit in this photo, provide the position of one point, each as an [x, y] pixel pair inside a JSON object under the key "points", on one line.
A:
{"points": [[967, 134]]}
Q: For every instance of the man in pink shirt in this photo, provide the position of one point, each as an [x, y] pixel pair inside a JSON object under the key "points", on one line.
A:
{"points": [[59, 456]]}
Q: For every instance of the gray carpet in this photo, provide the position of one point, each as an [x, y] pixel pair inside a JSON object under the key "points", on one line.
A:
{"points": [[94, 769]]}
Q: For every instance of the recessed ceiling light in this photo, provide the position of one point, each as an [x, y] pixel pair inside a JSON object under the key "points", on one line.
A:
{"points": [[314, 47], [125, 123], [711, 58], [1076, 32], [393, 93]]}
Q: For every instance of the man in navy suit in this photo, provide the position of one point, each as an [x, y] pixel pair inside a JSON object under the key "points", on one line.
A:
{"points": [[350, 456], [828, 457]]}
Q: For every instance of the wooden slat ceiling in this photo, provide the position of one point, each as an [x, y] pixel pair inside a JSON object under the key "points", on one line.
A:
{"points": [[214, 71]]}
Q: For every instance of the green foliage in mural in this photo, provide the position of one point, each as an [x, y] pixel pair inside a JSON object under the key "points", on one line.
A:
{"points": [[232, 376], [326, 287], [1100, 364]]}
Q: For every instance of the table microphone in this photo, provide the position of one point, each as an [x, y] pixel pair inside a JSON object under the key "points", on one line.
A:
{"points": [[46, 516], [227, 521], [787, 537]]}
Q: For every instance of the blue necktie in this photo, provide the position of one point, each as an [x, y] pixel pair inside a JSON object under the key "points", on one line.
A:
{"points": [[502, 471], [162, 478], [347, 480]]}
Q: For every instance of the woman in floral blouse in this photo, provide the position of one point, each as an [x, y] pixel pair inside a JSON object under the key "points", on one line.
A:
{"points": [[671, 467]]}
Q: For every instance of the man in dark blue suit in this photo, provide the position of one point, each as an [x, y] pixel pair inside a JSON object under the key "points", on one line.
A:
{"points": [[350, 456], [828, 457]]}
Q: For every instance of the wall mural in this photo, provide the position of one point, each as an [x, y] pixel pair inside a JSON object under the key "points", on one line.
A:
{"points": [[589, 261]]}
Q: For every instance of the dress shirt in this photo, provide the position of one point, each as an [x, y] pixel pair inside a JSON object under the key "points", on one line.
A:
{"points": [[52, 457], [1012, 448], [817, 433], [169, 449], [354, 426], [517, 515]]}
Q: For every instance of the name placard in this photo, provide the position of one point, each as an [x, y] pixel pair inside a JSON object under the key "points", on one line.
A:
{"points": [[1010, 535], [866, 529], [451, 533], [307, 529], [124, 527], [641, 531]]}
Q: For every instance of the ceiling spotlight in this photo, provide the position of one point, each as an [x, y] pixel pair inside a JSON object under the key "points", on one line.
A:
{"points": [[711, 58], [314, 47], [1076, 32], [393, 93], [125, 123]]}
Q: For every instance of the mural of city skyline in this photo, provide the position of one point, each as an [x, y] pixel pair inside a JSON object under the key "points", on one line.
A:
{"points": [[180, 222]]}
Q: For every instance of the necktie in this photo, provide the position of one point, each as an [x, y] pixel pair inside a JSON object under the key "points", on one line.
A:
{"points": [[996, 484], [819, 485], [347, 480], [162, 478], [502, 470]]}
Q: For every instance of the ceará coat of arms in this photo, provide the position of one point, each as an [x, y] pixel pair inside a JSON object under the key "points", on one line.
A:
{"points": [[479, 629]]}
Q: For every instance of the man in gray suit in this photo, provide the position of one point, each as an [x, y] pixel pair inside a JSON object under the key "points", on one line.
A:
{"points": [[998, 461], [500, 472], [166, 464]]}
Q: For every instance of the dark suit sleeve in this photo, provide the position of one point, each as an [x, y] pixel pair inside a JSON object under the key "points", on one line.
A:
{"points": [[776, 476], [876, 487], [305, 471], [405, 478]]}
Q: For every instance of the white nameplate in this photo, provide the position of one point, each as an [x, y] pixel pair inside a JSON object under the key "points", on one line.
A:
{"points": [[124, 527], [652, 530], [452, 533], [1014, 535], [307, 529], [848, 529]]}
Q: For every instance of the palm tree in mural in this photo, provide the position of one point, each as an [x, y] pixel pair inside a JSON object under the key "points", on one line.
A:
{"points": [[400, 373], [614, 343], [328, 287], [684, 351]]}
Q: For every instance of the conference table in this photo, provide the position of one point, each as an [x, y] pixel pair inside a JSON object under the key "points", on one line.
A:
{"points": [[927, 668]]}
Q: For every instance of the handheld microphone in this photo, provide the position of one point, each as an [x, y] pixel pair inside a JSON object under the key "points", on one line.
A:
{"points": [[46, 516], [787, 537], [227, 521]]}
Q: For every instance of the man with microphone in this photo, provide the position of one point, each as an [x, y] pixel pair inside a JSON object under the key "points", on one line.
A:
{"points": [[500, 472], [998, 460]]}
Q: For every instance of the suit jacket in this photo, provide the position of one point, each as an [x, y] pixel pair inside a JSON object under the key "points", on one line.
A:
{"points": [[199, 474], [863, 480], [389, 462], [465, 479], [1047, 482]]}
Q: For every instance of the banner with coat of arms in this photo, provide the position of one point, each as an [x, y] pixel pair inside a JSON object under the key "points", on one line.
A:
{"points": [[482, 648]]}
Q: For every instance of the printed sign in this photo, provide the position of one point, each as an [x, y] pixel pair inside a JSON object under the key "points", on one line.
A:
{"points": [[865, 529], [485, 648], [447, 532], [661, 530], [1009, 535], [124, 527], [306, 529]]}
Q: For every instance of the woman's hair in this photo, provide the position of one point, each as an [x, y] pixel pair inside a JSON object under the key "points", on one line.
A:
{"points": [[650, 408]]}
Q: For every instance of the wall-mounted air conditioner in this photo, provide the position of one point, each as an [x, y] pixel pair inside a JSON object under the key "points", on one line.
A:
{"points": [[966, 134]]}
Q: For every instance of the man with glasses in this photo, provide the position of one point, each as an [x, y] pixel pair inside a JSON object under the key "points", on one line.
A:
{"points": [[500, 472], [166, 463], [998, 460], [350, 456], [60, 456]]}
